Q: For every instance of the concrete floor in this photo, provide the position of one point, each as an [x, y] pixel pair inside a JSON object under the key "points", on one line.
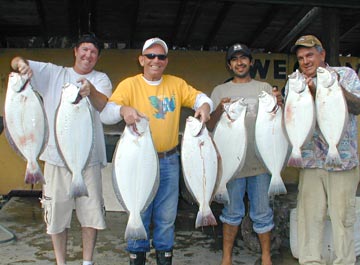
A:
{"points": [[22, 216]]}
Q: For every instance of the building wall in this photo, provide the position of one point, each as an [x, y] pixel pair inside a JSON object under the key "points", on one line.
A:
{"points": [[203, 70]]}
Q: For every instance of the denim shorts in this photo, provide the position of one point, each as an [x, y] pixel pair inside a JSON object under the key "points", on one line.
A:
{"points": [[260, 211], [163, 209]]}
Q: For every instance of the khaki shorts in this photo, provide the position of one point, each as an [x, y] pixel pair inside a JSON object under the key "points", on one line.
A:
{"points": [[58, 205]]}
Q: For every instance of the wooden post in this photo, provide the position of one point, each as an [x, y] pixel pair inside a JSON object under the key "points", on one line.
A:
{"points": [[331, 35]]}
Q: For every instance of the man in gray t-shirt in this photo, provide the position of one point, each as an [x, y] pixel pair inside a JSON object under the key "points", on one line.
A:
{"points": [[253, 177]]}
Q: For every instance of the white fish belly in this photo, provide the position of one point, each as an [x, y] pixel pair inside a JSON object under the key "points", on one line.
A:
{"points": [[200, 164], [135, 178], [231, 142], [272, 145], [26, 125], [331, 110], [299, 117], [74, 134]]}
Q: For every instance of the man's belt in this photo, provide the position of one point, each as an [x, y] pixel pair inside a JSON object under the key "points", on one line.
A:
{"points": [[167, 153]]}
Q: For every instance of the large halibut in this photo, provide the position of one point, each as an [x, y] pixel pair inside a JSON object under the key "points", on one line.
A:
{"points": [[271, 141], [26, 125], [331, 112], [299, 116], [74, 135], [200, 166], [135, 175], [231, 141]]}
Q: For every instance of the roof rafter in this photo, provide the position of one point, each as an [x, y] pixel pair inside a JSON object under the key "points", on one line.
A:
{"points": [[301, 25], [319, 3], [217, 23]]}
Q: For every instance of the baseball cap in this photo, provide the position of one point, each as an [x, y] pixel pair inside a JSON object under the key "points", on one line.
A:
{"points": [[90, 38], [238, 48], [306, 41], [153, 41]]}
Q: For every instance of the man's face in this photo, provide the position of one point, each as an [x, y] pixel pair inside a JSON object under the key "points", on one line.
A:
{"points": [[86, 57], [240, 65], [153, 67], [309, 60]]}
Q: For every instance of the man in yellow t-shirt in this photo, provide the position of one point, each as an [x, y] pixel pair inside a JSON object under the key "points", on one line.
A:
{"points": [[160, 98]]}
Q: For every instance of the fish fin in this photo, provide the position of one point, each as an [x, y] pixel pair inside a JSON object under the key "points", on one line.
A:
{"points": [[135, 229], [205, 218], [78, 187], [295, 159], [277, 186], [222, 197], [333, 157], [33, 173]]}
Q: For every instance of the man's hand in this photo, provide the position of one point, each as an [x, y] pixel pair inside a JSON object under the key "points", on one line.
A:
{"points": [[130, 115], [204, 112], [85, 88], [277, 94], [22, 66]]}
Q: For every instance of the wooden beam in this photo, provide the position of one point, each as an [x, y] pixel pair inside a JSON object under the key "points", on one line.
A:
{"points": [[42, 18], [72, 8], [303, 23], [270, 14], [194, 17], [330, 38], [349, 30], [133, 25], [217, 24], [354, 4], [179, 17]]}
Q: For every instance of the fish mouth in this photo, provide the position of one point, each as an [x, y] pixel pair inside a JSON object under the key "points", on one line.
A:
{"points": [[77, 99], [24, 85]]}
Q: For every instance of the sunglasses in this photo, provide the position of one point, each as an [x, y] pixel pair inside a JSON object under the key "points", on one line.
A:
{"points": [[151, 56]]}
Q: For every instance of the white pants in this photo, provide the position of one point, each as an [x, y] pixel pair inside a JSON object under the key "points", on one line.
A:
{"points": [[319, 191]]}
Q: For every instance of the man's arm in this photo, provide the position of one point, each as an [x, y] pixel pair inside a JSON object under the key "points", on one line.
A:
{"points": [[353, 102], [216, 114]]}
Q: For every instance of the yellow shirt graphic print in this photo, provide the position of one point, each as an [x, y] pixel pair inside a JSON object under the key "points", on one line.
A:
{"points": [[162, 106]]}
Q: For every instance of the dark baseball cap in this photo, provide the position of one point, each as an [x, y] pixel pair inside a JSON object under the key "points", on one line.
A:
{"points": [[90, 38], [235, 48], [306, 41]]}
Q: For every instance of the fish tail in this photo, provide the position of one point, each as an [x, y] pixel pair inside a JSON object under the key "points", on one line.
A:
{"points": [[205, 219], [135, 229], [277, 186], [78, 187], [295, 159], [33, 174], [333, 157], [222, 197]]}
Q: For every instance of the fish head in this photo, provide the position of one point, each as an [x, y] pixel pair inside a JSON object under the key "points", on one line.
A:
{"points": [[17, 82], [70, 93], [297, 82], [194, 125], [140, 127], [326, 77], [267, 102], [234, 108]]}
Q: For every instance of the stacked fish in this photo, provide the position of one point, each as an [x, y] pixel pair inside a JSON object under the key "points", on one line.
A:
{"points": [[230, 129], [200, 168], [271, 141], [299, 116], [135, 175], [331, 112], [26, 124], [74, 133]]}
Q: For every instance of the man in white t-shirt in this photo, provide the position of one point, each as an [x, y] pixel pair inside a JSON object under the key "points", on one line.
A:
{"points": [[48, 79]]}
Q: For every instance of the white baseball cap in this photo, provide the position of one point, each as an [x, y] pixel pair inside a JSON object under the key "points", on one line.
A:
{"points": [[153, 41]]}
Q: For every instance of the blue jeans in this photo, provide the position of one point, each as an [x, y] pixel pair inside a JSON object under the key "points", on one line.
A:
{"points": [[163, 209], [260, 212]]}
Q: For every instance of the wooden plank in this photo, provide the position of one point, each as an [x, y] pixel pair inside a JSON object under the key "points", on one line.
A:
{"points": [[354, 4]]}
